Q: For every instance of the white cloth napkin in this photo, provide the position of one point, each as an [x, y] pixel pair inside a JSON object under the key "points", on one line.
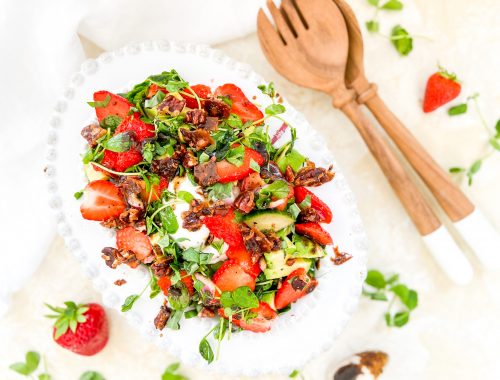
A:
{"points": [[41, 49]]}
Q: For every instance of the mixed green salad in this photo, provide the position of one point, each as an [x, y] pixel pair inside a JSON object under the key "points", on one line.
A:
{"points": [[198, 192]]}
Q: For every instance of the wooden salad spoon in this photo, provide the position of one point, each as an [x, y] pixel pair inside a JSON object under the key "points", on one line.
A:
{"points": [[310, 46], [469, 221]]}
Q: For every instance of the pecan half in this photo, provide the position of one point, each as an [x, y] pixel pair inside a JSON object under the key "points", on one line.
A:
{"points": [[289, 175], [340, 257], [217, 108], [172, 105], [166, 167], [256, 242], [206, 173], [245, 201], [271, 171], [189, 160], [92, 133], [131, 190], [313, 176], [193, 218], [196, 117], [162, 318], [114, 257], [161, 267], [198, 139], [130, 217], [211, 123], [252, 182], [309, 215]]}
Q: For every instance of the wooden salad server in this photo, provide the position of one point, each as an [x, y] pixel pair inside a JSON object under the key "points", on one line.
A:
{"points": [[468, 220], [309, 46]]}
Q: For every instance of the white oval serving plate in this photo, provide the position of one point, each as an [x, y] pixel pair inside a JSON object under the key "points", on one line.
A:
{"points": [[313, 323]]}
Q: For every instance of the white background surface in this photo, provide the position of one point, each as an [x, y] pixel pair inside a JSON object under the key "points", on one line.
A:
{"points": [[455, 332]]}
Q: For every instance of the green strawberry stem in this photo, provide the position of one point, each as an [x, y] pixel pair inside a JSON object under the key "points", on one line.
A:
{"points": [[67, 318], [448, 75]]}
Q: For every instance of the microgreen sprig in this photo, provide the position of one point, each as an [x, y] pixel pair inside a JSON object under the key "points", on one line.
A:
{"points": [[493, 143], [380, 288]]}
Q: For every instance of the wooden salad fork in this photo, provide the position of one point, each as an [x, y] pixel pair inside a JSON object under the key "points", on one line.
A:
{"points": [[468, 220], [309, 45]]}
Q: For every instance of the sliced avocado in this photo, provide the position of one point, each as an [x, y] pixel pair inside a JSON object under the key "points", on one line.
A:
{"points": [[93, 174], [305, 248], [277, 266], [268, 220], [269, 299]]}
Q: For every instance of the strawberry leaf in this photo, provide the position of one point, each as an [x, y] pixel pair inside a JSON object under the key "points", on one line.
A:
{"points": [[67, 318]]}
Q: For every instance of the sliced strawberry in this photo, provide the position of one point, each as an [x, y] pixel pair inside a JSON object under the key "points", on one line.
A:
{"points": [[141, 130], [442, 87], [132, 240], [252, 182], [260, 323], [154, 192], [121, 161], [225, 228], [102, 201], [117, 105], [241, 106], [125, 160], [296, 286], [188, 281], [109, 159], [321, 207], [201, 90], [315, 232], [243, 257], [164, 283], [153, 89], [231, 276], [228, 172]]}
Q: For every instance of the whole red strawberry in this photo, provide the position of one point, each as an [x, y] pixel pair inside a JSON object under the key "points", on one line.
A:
{"points": [[442, 88], [82, 329]]}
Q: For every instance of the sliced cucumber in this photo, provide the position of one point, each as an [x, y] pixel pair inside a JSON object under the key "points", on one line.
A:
{"points": [[268, 220], [277, 266], [304, 248]]}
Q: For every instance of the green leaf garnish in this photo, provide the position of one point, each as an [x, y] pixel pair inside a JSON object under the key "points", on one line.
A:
{"points": [[170, 373], [32, 360], [275, 109], [373, 26], [401, 40], [392, 5], [379, 287], [458, 110], [206, 351], [91, 375], [118, 143]]}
